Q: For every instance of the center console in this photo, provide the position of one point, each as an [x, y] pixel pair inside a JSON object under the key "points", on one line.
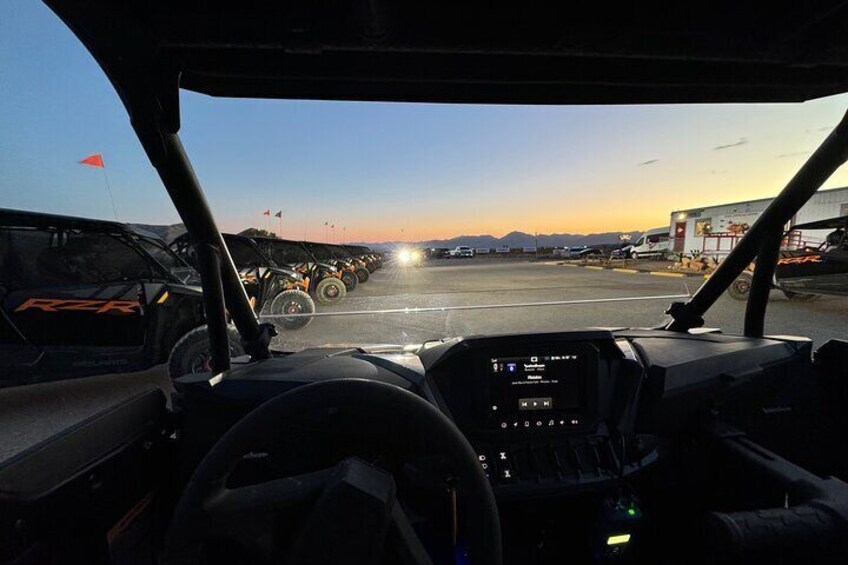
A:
{"points": [[543, 411]]}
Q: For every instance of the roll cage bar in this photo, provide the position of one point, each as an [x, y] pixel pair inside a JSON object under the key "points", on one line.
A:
{"points": [[147, 76]]}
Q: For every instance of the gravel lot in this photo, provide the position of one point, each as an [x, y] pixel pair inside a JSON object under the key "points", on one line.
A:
{"points": [[503, 282]]}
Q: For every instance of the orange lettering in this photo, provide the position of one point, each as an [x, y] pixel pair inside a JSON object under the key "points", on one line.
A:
{"points": [[123, 306], [800, 260], [44, 304], [80, 305]]}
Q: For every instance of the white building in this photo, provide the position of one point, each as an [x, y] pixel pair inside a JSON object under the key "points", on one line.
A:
{"points": [[714, 230]]}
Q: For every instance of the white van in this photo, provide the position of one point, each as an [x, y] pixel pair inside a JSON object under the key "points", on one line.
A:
{"points": [[653, 243]]}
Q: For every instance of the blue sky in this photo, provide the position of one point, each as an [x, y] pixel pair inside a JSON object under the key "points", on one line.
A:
{"points": [[384, 171]]}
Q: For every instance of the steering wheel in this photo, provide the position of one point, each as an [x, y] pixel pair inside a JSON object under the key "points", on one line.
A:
{"points": [[359, 496]]}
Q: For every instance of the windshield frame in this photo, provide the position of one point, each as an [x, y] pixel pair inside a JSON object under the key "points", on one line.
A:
{"points": [[148, 82]]}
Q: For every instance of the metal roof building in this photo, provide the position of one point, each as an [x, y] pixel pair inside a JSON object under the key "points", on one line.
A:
{"points": [[714, 230]]}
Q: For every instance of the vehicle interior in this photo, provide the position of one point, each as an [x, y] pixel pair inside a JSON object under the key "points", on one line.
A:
{"points": [[667, 444]]}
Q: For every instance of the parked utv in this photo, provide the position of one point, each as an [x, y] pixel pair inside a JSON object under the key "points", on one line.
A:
{"points": [[373, 261], [346, 268], [272, 290], [85, 297], [359, 265], [325, 283], [807, 272], [349, 267]]}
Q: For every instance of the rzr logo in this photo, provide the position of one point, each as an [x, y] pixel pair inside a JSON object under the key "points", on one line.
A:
{"points": [[67, 305], [800, 260]]}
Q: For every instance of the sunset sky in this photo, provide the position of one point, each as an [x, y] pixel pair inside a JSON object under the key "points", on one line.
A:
{"points": [[384, 171]]}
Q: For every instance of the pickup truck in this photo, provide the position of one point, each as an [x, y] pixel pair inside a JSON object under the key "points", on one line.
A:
{"points": [[461, 251]]}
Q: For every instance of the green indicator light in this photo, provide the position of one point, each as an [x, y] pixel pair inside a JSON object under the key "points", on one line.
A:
{"points": [[631, 511], [618, 539]]}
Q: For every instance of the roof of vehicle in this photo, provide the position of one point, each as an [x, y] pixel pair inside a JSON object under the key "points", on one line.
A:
{"points": [[276, 240], [478, 52], [38, 219], [661, 229], [828, 224]]}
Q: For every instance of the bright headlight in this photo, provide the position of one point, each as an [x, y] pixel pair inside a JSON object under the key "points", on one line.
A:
{"points": [[405, 256]]}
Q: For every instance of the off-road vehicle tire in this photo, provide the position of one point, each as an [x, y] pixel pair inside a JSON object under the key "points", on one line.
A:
{"points": [[330, 291], [739, 289], [191, 352], [362, 274], [292, 302], [350, 280]]}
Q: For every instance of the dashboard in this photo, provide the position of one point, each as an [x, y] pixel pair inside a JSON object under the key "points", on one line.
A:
{"points": [[547, 413], [575, 431]]}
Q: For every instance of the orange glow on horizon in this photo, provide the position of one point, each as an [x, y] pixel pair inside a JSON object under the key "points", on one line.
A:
{"points": [[615, 205]]}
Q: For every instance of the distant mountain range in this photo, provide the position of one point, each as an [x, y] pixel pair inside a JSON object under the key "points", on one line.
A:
{"points": [[514, 240], [517, 239]]}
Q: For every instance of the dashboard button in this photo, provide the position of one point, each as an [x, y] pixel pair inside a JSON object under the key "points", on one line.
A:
{"points": [[545, 462], [523, 463], [595, 458], [485, 463], [506, 474], [584, 457], [503, 462], [535, 403], [564, 459], [571, 460]]}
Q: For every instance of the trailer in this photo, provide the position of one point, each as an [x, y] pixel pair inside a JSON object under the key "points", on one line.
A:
{"points": [[715, 230]]}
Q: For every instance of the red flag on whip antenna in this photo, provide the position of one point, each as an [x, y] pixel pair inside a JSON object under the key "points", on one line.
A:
{"points": [[93, 160], [96, 160], [266, 212]]}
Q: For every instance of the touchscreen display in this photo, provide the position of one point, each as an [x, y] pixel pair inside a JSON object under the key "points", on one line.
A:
{"points": [[522, 386]]}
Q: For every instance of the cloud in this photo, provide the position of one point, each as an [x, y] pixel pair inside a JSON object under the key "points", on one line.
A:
{"points": [[793, 154], [742, 141], [648, 162]]}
